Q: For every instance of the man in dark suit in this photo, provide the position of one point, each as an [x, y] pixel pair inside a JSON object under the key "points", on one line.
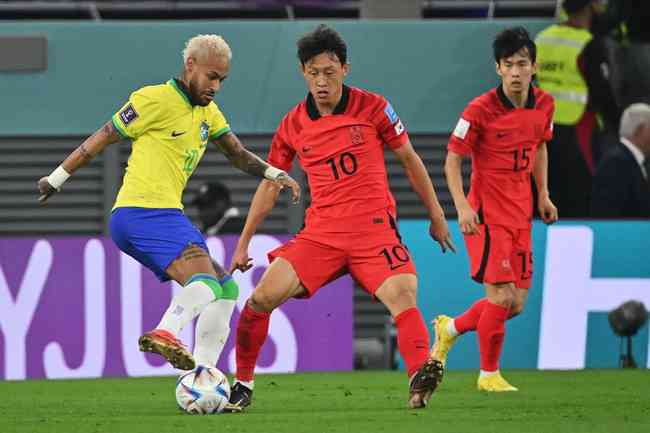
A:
{"points": [[621, 188], [216, 212]]}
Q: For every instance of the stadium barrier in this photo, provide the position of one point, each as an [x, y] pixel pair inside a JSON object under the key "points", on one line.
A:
{"points": [[582, 270], [422, 67], [75, 307]]}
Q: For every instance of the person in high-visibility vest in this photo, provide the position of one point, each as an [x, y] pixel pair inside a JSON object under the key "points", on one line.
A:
{"points": [[573, 67]]}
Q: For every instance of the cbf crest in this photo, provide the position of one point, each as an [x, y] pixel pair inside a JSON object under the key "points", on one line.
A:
{"points": [[204, 131]]}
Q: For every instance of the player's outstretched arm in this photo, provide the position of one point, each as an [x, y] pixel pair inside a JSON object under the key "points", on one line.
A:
{"points": [[86, 151], [467, 218], [250, 163], [262, 204], [547, 209], [421, 184]]}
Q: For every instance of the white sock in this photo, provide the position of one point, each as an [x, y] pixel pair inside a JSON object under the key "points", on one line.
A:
{"points": [[484, 373], [247, 384], [212, 331], [186, 305], [451, 328]]}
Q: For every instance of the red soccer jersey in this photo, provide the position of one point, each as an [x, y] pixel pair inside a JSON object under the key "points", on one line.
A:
{"points": [[502, 141], [343, 157]]}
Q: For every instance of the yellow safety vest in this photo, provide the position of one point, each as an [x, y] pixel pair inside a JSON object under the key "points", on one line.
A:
{"points": [[558, 48]]}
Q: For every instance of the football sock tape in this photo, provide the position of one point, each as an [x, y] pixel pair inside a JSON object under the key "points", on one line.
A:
{"points": [[209, 281], [230, 288]]}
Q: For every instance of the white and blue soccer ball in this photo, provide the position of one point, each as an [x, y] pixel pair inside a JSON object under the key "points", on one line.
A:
{"points": [[202, 391]]}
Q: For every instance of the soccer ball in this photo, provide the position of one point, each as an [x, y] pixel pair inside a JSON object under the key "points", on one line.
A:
{"points": [[202, 391]]}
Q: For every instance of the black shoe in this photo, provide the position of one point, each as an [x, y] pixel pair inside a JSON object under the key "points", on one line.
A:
{"points": [[424, 382], [240, 398]]}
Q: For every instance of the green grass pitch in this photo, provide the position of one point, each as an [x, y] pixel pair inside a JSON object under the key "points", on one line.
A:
{"points": [[548, 402]]}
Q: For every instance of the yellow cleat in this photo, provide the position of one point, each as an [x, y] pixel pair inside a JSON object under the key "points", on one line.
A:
{"points": [[494, 383], [443, 341]]}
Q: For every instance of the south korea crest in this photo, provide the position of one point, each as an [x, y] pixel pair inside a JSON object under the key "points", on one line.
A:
{"points": [[204, 131]]}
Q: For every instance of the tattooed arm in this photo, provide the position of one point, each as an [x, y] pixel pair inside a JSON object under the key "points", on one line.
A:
{"points": [[239, 156], [86, 151], [91, 147], [250, 163]]}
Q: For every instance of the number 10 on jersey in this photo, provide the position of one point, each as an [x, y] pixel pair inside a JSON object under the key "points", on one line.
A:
{"points": [[346, 164]]}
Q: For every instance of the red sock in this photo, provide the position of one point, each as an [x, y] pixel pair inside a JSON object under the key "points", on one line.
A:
{"points": [[252, 330], [468, 321], [412, 339], [491, 330]]}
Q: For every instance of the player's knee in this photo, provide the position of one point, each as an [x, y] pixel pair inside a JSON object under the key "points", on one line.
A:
{"points": [[407, 293], [398, 298], [516, 309], [263, 301], [507, 300], [502, 295]]}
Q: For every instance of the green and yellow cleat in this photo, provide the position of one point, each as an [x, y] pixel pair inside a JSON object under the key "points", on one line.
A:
{"points": [[494, 383], [443, 342]]}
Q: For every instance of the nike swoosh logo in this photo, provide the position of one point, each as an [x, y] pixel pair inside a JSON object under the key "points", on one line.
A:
{"points": [[501, 134], [392, 268], [176, 134]]}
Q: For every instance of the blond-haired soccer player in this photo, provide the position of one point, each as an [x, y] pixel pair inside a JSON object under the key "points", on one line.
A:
{"points": [[170, 126]]}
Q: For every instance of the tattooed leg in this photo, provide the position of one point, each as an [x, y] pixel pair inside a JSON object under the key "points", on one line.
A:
{"points": [[195, 270]]}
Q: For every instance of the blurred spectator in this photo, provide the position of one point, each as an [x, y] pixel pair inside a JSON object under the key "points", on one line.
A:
{"points": [[632, 18], [216, 212], [621, 188], [574, 68]]}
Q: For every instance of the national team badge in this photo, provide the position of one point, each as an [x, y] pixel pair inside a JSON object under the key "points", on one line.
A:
{"points": [[356, 136], [128, 114], [204, 131]]}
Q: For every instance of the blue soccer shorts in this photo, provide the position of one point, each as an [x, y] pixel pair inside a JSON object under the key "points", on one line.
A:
{"points": [[154, 237]]}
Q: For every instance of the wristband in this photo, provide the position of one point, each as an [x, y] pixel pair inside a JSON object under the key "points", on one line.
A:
{"points": [[58, 177], [272, 173]]}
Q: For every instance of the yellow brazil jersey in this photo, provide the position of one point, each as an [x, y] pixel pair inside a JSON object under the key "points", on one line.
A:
{"points": [[169, 136]]}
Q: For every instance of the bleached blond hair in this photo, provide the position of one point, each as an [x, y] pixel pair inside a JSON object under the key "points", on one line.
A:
{"points": [[202, 47]]}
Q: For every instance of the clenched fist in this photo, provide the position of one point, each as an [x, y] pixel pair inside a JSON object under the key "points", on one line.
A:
{"points": [[45, 190]]}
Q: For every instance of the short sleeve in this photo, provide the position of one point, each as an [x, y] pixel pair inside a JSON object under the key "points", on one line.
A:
{"points": [[466, 134], [136, 116], [389, 125], [218, 123], [548, 130], [281, 154]]}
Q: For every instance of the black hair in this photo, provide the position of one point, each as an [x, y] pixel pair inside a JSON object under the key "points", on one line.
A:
{"points": [[573, 6], [510, 41], [322, 39]]}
